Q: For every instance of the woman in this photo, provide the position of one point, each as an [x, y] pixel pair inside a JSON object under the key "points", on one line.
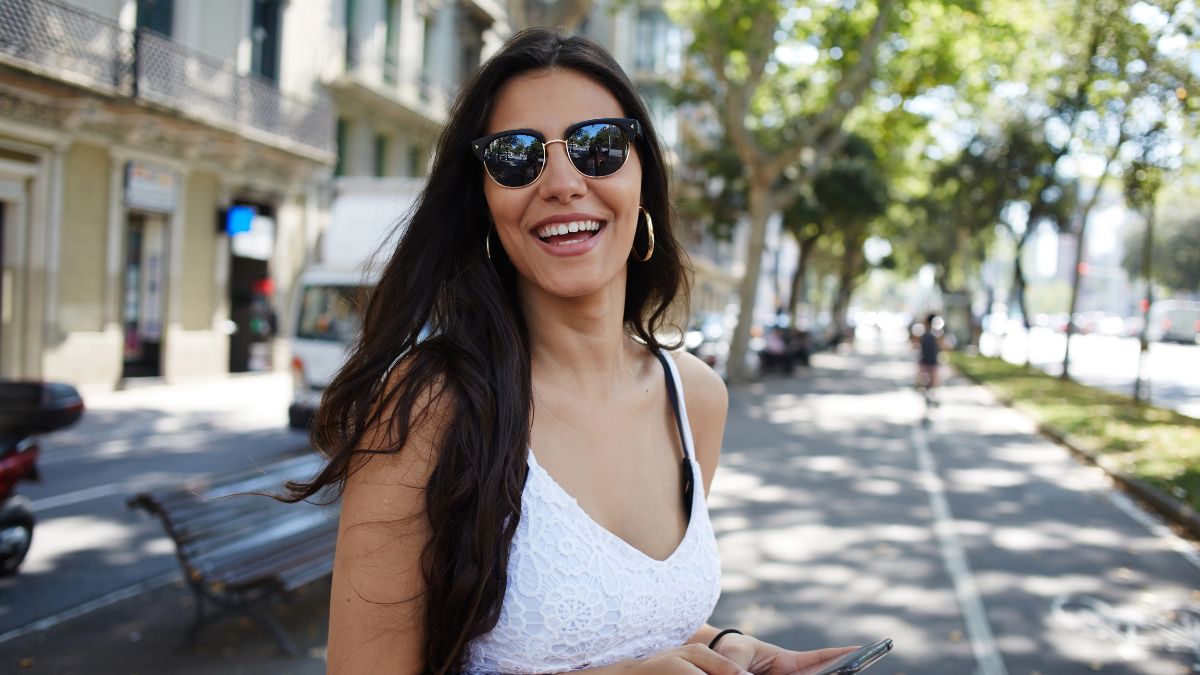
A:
{"points": [[543, 278]]}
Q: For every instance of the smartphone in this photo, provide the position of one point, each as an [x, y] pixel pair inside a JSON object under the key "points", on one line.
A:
{"points": [[858, 660]]}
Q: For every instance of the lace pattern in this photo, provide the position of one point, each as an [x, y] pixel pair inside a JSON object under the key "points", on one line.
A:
{"points": [[580, 597]]}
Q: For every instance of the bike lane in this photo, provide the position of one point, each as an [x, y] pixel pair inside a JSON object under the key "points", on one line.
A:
{"points": [[1074, 576], [825, 526]]}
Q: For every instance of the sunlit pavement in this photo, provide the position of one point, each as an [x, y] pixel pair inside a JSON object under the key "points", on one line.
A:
{"points": [[976, 545]]}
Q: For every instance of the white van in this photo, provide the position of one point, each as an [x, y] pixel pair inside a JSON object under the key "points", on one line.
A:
{"points": [[327, 320], [331, 293], [1174, 321]]}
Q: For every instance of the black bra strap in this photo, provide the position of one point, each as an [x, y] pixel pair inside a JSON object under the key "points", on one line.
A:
{"points": [[689, 482]]}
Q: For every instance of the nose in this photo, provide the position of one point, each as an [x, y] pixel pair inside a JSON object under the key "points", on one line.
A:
{"points": [[561, 181]]}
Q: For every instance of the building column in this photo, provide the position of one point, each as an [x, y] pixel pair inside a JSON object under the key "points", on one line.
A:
{"points": [[112, 259]]}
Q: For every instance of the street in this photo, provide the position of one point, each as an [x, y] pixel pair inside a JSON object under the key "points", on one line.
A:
{"points": [[88, 545], [977, 545], [1172, 372]]}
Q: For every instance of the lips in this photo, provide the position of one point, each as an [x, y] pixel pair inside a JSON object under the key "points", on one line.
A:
{"points": [[569, 233]]}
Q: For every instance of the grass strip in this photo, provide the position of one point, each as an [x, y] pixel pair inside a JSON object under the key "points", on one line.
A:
{"points": [[1158, 446]]}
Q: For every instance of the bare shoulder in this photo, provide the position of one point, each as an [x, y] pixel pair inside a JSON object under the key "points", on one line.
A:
{"points": [[704, 390], [707, 401], [377, 600]]}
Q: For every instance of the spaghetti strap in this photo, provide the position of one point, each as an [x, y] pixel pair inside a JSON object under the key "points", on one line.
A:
{"points": [[674, 389]]}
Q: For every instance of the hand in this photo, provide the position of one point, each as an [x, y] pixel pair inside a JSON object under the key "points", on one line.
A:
{"points": [[690, 659], [762, 658]]}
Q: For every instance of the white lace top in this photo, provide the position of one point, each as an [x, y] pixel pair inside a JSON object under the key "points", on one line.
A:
{"points": [[580, 597]]}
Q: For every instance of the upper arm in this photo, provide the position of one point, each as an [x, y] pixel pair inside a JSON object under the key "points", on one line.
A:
{"points": [[707, 405], [377, 601]]}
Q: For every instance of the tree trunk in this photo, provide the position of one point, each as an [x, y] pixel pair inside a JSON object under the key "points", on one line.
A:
{"points": [[851, 266], [759, 212], [1147, 272], [1018, 291], [799, 278]]}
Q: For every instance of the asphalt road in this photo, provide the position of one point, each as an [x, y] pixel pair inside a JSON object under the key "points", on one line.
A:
{"points": [[88, 546], [1171, 371], [978, 546]]}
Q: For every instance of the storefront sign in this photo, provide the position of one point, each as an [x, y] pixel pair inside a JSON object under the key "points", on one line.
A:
{"points": [[258, 242], [148, 188]]}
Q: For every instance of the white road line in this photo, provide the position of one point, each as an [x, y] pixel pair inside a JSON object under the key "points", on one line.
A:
{"points": [[979, 631], [69, 498], [128, 489], [90, 606], [1156, 527]]}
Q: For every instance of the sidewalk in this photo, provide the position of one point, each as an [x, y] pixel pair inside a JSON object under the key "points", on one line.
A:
{"points": [[975, 544]]}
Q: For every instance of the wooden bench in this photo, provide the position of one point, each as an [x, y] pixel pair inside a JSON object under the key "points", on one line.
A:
{"points": [[239, 551]]}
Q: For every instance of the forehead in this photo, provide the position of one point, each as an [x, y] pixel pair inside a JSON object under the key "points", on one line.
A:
{"points": [[549, 101]]}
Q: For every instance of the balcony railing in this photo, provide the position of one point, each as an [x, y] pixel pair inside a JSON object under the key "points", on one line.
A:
{"points": [[64, 43]]}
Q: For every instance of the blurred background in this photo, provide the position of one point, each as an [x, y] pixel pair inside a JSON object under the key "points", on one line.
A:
{"points": [[191, 193]]}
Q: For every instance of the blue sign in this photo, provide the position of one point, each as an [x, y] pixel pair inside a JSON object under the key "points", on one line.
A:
{"points": [[238, 219]]}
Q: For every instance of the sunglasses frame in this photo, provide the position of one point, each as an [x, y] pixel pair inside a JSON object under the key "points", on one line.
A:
{"points": [[631, 128]]}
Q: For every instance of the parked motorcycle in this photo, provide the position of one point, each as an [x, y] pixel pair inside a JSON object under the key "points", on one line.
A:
{"points": [[26, 410]]}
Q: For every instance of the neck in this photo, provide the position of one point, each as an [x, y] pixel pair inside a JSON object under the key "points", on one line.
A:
{"points": [[579, 342]]}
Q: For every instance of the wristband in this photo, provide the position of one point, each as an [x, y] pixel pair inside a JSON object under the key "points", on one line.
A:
{"points": [[727, 631]]}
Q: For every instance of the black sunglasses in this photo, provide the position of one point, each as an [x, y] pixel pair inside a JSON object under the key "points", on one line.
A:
{"points": [[597, 148]]}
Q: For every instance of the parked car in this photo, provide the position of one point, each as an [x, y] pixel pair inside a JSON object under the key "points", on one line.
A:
{"points": [[1174, 321]]}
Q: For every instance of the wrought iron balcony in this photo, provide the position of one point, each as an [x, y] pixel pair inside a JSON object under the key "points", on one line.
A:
{"points": [[61, 42]]}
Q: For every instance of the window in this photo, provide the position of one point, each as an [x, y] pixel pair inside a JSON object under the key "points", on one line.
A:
{"points": [[264, 38], [351, 38], [426, 76], [414, 161], [156, 15], [470, 34], [381, 152], [659, 46], [391, 48], [339, 169], [330, 313]]}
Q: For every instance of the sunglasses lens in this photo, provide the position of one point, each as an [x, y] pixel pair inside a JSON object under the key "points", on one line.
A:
{"points": [[514, 160], [598, 149]]}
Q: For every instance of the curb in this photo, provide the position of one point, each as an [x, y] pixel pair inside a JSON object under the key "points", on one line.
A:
{"points": [[1162, 503]]}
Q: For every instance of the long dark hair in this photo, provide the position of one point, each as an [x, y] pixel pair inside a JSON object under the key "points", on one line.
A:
{"points": [[450, 315]]}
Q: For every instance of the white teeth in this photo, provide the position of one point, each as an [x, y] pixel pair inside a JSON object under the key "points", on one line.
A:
{"points": [[568, 228]]}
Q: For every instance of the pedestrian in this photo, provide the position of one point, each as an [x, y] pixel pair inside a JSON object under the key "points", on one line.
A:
{"points": [[929, 349], [523, 491]]}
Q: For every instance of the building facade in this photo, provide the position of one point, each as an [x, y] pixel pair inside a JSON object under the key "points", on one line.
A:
{"points": [[163, 170]]}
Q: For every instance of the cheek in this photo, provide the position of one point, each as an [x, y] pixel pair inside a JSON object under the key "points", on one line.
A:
{"points": [[504, 209]]}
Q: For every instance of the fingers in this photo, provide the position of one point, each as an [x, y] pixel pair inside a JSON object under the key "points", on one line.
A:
{"points": [[710, 662], [815, 661]]}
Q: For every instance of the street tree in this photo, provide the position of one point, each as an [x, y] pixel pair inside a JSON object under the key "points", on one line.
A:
{"points": [[771, 109], [1139, 90], [850, 193], [1174, 254]]}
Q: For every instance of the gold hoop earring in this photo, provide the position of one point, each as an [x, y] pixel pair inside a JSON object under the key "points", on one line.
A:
{"points": [[649, 233], [487, 244]]}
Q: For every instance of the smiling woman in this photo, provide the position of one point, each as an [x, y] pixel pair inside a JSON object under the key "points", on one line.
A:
{"points": [[519, 311]]}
